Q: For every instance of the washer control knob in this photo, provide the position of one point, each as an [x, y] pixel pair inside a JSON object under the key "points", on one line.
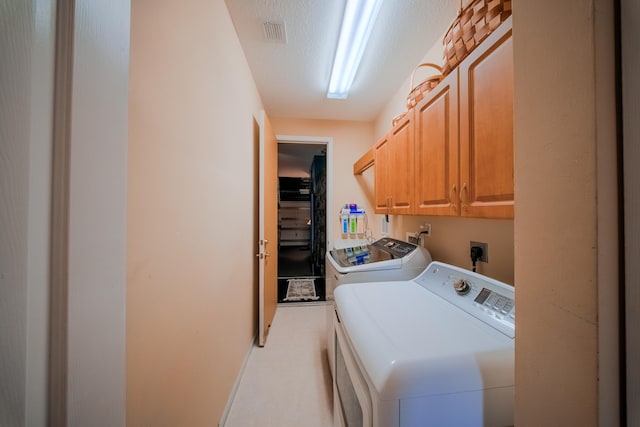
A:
{"points": [[461, 286]]}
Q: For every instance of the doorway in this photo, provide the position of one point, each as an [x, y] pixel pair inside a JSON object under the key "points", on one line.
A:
{"points": [[302, 220]]}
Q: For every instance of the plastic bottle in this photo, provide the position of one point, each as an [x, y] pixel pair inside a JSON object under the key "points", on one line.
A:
{"points": [[361, 221], [344, 218], [353, 223]]}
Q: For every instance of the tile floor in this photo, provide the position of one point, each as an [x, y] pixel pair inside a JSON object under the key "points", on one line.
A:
{"points": [[287, 382]]}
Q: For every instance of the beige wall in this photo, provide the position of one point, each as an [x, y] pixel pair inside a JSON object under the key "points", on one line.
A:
{"points": [[562, 126], [191, 226], [351, 140], [398, 102]]}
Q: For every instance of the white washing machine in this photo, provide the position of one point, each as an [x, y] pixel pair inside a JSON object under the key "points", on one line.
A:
{"points": [[386, 259], [436, 351]]}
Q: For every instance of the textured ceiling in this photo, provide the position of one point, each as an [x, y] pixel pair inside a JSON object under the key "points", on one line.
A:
{"points": [[292, 78]]}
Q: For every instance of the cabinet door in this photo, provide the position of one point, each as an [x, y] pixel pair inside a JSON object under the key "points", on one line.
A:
{"points": [[381, 178], [486, 128], [436, 150], [401, 169]]}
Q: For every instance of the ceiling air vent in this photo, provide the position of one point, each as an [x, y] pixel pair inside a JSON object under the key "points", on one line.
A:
{"points": [[275, 31]]}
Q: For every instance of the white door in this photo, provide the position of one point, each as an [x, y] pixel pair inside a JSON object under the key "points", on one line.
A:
{"points": [[268, 228]]}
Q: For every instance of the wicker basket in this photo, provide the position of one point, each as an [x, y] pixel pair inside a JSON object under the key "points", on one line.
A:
{"points": [[397, 119], [417, 93], [474, 23]]}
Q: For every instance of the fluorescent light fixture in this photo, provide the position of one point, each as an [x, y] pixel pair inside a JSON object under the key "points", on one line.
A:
{"points": [[357, 23]]}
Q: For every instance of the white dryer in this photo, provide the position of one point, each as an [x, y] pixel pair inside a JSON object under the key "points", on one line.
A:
{"points": [[435, 351]]}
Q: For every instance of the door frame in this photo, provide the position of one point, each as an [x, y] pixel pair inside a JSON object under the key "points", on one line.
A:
{"points": [[310, 140], [629, 89]]}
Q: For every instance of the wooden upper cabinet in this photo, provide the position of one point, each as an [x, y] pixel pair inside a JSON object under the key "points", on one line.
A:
{"points": [[401, 171], [436, 150], [381, 180], [486, 128], [452, 154]]}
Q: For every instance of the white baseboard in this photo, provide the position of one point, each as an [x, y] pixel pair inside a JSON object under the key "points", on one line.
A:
{"points": [[234, 390]]}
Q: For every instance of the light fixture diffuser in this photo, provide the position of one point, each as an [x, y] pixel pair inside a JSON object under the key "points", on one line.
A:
{"points": [[357, 23]]}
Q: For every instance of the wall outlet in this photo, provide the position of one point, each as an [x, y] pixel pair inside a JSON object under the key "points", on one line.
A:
{"points": [[485, 250], [385, 225], [425, 229], [412, 238]]}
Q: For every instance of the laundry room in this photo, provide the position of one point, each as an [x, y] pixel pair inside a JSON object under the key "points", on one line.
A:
{"points": [[234, 240], [352, 126]]}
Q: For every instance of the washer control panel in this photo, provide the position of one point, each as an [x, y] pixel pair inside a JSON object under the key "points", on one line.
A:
{"points": [[397, 248], [485, 298]]}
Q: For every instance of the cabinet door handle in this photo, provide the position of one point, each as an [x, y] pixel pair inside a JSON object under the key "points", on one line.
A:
{"points": [[452, 197], [266, 254], [463, 200]]}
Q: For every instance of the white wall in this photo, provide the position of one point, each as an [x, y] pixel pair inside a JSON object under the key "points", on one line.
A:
{"points": [[26, 102]]}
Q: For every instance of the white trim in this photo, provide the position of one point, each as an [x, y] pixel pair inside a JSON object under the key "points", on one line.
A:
{"points": [[236, 385], [291, 139], [261, 228]]}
